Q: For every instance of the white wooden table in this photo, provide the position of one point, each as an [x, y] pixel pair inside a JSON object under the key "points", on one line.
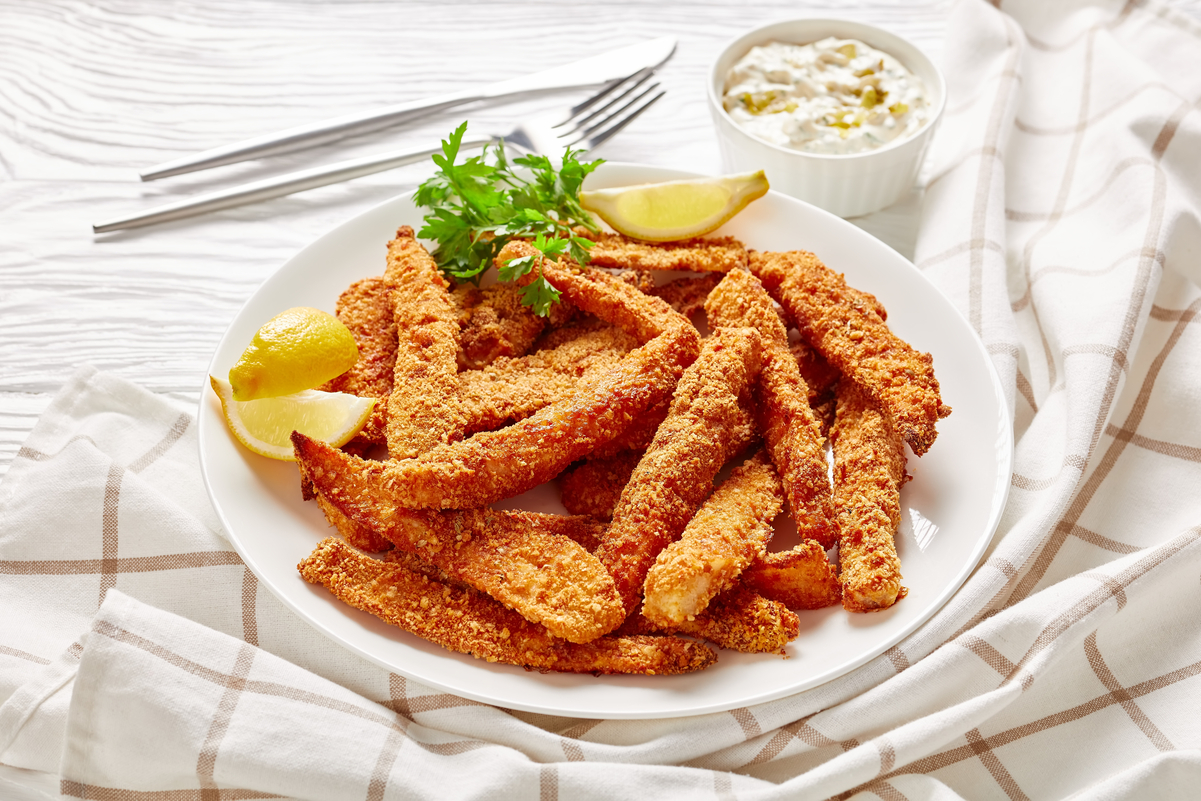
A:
{"points": [[92, 91]]}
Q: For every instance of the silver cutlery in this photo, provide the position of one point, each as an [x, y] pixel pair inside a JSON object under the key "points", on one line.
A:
{"points": [[578, 74], [581, 127]]}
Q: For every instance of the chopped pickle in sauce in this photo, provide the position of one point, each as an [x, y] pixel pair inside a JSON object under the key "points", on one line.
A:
{"points": [[829, 96]]}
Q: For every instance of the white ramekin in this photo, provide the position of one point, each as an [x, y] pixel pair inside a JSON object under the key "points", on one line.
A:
{"points": [[847, 185]]}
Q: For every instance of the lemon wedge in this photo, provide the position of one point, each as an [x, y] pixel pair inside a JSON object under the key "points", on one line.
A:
{"points": [[265, 426], [298, 349], [675, 209]]}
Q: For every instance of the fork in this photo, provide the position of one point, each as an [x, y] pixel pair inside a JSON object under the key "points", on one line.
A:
{"points": [[582, 127]]}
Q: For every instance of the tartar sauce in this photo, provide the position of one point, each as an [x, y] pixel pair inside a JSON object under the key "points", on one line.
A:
{"points": [[832, 96]]}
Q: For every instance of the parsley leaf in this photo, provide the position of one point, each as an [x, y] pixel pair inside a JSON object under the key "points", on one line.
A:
{"points": [[477, 205]]}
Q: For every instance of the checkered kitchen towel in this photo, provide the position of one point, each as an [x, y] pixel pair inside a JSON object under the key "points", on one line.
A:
{"points": [[139, 659]]}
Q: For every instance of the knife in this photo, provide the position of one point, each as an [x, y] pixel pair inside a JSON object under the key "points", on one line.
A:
{"points": [[586, 72]]}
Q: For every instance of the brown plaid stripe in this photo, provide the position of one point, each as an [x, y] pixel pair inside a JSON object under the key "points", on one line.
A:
{"points": [[745, 719], [979, 746], [723, 787], [250, 591], [206, 762], [1043, 558], [959, 250], [990, 170], [129, 564], [19, 654], [1060, 130], [401, 702], [236, 683], [1119, 694], [1019, 584], [1176, 451], [1158, 256], [799, 730], [92, 792], [952, 756], [548, 783]]}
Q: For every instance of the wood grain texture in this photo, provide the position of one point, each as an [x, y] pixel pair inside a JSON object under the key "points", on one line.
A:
{"points": [[92, 91]]}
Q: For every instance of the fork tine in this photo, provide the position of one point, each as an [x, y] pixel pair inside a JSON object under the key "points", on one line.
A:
{"points": [[577, 122], [619, 119], [604, 92]]}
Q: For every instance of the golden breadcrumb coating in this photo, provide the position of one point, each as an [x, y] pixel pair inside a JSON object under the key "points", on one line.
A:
{"points": [[423, 409], [515, 558], [493, 322], [356, 534], [365, 308], [730, 530], [869, 468], [677, 471], [508, 390], [469, 622], [820, 376], [593, 487], [716, 254], [687, 295], [738, 619], [791, 429], [745, 621], [800, 578], [638, 435], [581, 325], [852, 336], [494, 465], [606, 296]]}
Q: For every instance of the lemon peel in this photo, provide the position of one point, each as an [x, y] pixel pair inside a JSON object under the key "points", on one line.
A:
{"points": [[674, 210], [265, 426], [295, 350]]}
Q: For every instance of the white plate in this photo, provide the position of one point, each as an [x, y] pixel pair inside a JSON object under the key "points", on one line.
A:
{"points": [[950, 509]]}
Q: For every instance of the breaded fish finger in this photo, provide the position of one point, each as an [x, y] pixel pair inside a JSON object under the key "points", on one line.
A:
{"points": [[493, 322], [508, 390], [819, 375], [517, 559], [609, 298], [687, 295], [469, 622], [731, 530], [677, 471], [494, 465], [594, 487], [851, 335], [423, 409], [869, 468], [800, 578], [793, 433], [511, 389], [738, 619], [358, 535], [716, 254], [365, 308]]}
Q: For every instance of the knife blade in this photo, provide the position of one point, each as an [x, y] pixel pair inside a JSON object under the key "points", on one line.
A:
{"points": [[590, 71]]}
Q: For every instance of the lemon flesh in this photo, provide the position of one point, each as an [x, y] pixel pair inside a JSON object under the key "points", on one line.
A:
{"points": [[265, 426], [297, 349], [675, 209]]}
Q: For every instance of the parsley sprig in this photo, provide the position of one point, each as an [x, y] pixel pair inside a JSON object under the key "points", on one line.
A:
{"points": [[476, 206]]}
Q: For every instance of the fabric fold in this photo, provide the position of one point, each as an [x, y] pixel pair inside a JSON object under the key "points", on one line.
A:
{"points": [[138, 654]]}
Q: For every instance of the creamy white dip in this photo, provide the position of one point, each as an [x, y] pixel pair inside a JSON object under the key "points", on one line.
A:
{"points": [[832, 96]]}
